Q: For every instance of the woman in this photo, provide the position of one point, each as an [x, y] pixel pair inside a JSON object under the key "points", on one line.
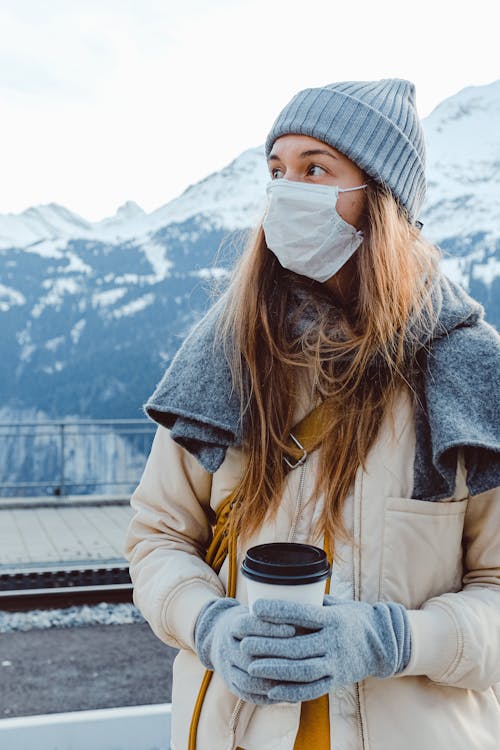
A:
{"points": [[338, 300]]}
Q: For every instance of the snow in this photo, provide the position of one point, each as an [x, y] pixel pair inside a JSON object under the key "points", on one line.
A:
{"points": [[157, 256], [77, 330], [211, 273], [53, 344], [109, 297], [42, 222], [488, 271], [10, 297], [69, 617], [135, 306], [76, 265], [129, 210], [457, 269], [115, 227], [57, 366], [464, 169], [233, 198], [58, 288], [27, 350], [130, 278], [47, 248]]}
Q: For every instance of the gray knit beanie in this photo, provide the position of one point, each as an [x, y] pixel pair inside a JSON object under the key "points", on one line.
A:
{"points": [[374, 123]]}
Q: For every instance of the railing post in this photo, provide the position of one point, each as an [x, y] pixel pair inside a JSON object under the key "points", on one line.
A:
{"points": [[61, 481]]}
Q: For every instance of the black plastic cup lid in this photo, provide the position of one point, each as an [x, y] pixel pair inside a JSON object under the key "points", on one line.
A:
{"points": [[286, 564]]}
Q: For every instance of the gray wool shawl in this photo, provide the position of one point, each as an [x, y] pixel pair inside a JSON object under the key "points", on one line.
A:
{"points": [[458, 405]]}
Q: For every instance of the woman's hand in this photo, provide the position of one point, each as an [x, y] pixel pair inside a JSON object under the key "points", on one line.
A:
{"points": [[221, 627], [338, 644]]}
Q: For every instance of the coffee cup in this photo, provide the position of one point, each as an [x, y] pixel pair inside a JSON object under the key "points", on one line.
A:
{"points": [[286, 570]]}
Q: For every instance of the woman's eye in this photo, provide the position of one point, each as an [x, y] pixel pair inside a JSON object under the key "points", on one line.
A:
{"points": [[316, 171], [276, 173]]}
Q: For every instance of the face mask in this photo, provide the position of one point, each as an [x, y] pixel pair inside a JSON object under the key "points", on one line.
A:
{"points": [[304, 230]]}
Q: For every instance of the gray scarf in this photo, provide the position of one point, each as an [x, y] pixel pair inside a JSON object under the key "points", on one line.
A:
{"points": [[458, 388]]}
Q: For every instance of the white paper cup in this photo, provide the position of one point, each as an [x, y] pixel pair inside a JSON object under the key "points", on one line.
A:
{"points": [[287, 571]]}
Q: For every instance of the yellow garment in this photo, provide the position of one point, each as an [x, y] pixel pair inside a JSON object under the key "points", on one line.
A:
{"points": [[314, 727]]}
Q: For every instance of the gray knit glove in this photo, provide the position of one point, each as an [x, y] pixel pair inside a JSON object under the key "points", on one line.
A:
{"points": [[344, 643], [218, 634]]}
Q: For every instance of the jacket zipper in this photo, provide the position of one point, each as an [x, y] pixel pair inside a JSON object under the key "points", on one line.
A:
{"points": [[356, 591], [298, 505], [233, 722], [359, 718]]}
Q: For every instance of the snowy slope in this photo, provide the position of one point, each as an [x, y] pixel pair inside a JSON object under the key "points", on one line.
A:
{"points": [[38, 223], [232, 198], [463, 155]]}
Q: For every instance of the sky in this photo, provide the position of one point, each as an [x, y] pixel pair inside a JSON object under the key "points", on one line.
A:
{"points": [[104, 101]]}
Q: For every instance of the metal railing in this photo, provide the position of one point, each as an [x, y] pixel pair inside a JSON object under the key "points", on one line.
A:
{"points": [[66, 457]]}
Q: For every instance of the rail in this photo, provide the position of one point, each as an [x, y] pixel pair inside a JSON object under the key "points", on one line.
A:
{"points": [[45, 586]]}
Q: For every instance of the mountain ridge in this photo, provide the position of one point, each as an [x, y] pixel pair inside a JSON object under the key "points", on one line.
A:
{"points": [[90, 322]]}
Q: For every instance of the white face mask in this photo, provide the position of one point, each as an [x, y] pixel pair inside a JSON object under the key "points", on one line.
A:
{"points": [[304, 230]]}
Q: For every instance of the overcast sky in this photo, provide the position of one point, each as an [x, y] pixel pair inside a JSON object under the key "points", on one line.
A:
{"points": [[103, 101]]}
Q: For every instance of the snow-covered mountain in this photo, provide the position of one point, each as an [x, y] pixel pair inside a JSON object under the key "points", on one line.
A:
{"points": [[92, 312], [233, 199], [40, 223], [462, 209]]}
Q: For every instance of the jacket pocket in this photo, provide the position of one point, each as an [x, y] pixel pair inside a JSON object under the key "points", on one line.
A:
{"points": [[422, 549]]}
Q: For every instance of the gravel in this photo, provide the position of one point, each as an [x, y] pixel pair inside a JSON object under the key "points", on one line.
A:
{"points": [[70, 617]]}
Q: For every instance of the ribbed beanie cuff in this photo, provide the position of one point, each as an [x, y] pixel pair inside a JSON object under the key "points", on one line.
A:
{"points": [[374, 123]]}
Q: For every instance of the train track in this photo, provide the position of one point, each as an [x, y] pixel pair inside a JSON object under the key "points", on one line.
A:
{"points": [[48, 587]]}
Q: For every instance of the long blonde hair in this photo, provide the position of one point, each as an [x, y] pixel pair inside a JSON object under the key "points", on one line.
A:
{"points": [[354, 359]]}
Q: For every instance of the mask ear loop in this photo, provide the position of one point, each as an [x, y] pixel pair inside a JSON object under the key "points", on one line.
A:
{"points": [[348, 190]]}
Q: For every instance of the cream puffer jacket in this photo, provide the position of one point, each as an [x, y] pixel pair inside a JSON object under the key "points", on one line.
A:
{"points": [[440, 559]]}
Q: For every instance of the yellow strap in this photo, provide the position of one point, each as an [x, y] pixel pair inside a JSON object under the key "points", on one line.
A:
{"points": [[193, 729], [314, 726], [230, 546], [220, 532], [224, 541], [308, 431]]}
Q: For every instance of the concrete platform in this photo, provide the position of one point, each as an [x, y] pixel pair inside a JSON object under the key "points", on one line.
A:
{"points": [[62, 533], [129, 728], [70, 501]]}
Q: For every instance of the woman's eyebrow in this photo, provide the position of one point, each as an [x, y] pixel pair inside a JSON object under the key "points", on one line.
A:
{"points": [[305, 154], [313, 152]]}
